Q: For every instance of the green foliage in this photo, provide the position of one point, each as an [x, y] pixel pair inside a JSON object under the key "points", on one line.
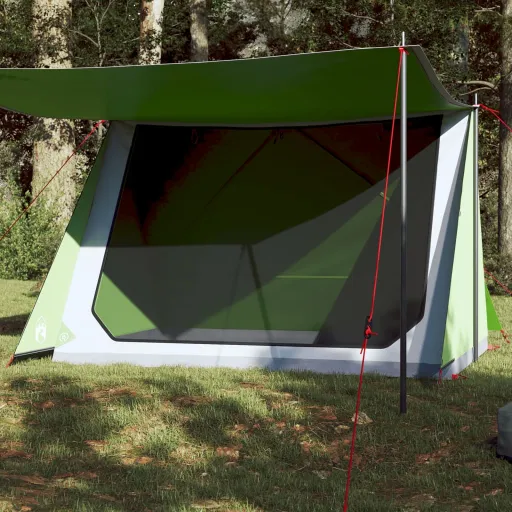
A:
{"points": [[104, 33], [461, 38], [17, 49], [28, 250], [176, 31], [17, 45], [488, 168], [16, 152], [230, 30]]}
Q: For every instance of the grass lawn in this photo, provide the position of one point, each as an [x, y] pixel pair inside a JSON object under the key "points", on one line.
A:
{"points": [[122, 438]]}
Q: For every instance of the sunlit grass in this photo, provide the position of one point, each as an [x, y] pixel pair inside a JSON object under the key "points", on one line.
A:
{"points": [[119, 438]]}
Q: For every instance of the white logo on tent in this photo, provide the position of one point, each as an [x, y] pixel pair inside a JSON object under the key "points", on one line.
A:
{"points": [[41, 330], [64, 337]]}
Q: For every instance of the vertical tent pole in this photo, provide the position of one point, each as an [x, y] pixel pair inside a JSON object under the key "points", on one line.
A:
{"points": [[403, 223], [476, 231]]}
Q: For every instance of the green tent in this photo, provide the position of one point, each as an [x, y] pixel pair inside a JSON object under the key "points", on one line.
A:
{"points": [[232, 216]]}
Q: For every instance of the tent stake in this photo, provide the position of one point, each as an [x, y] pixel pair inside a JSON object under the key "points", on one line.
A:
{"points": [[403, 255], [476, 215]]}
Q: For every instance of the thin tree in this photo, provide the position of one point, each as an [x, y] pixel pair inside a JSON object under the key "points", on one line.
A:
{"points": [[55, 139], [97, 12], [505, 170], [151, 31], [198, 30]]}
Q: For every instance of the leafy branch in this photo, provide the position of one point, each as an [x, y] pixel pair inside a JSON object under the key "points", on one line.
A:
{"points": [[360, 16]]}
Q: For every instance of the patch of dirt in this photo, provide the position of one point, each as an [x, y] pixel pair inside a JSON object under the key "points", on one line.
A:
{"points": [[9, 445], [239, 427], [229, 391], [335, 451], [70, 402], [189, 455], [14, 454], [375, 455], [277, 400], [241, 430], [421, 499], [494, 492], [323, 414], [44, 405], [15, 402], [230, 452], [306, 446], [29, 479], [131, 430], [82, 475], [222, 504], [251, 385], [106, 394], [282, 395], [131, 461], [97, 446], [428, 458]]}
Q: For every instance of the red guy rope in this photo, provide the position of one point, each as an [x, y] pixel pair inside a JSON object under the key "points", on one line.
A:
{"points": [[368, 331], [498, 282], [496, 114], [9, 229]]}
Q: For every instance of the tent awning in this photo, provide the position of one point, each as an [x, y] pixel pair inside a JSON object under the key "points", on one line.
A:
{"points": [[305, 89]]}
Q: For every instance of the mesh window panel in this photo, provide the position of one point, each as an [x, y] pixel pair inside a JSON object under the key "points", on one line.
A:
{"points": [[265, 236]]}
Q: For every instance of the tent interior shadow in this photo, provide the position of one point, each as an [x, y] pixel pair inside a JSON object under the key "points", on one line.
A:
{"points": [[195, 247]]}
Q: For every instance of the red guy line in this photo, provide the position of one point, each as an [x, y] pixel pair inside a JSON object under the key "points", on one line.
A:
{"points": [[9, 229], [374, 294]]}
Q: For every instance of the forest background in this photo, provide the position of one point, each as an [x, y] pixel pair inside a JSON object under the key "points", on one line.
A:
{"points": [[469, 43]]}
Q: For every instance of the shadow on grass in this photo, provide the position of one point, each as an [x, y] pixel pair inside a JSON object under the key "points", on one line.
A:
{"points": [[13, 326], [66, 431], [70, 427]]}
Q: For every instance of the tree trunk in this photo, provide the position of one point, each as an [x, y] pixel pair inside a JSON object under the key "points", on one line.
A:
{"points": [[55, 139], [151, 31], [505, 170], [392, 20], [198, 30]]}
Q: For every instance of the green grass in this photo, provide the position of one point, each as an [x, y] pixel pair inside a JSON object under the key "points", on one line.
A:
{"points": [[123, 438]]}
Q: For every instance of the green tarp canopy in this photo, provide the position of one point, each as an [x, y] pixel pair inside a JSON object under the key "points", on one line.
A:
{"points": [[311, 88]]}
